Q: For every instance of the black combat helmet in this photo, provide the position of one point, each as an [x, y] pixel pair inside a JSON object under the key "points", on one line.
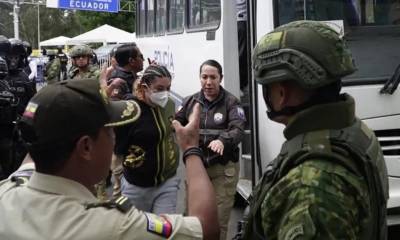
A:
{"points": [[5, 46], [28, 48], [3, 68]]}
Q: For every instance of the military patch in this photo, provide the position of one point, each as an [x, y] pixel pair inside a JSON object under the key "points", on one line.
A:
{"points": [[135, 158], [271, 41], [158, 225], [30, 110], [294, 232], [218, 117], [240, 113]]}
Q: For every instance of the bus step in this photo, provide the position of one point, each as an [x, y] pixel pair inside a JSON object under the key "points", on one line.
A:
{"points": [[244, 188]]}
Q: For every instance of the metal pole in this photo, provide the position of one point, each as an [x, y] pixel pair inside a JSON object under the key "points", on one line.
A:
{"points": [[38, 25], [16, 20]]}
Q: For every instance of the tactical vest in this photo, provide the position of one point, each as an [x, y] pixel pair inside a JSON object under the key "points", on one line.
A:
{"points": [[356, 148]]}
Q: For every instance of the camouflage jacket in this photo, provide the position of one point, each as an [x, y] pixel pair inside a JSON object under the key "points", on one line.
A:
{"points": [[53, 69], [322, 185], [93, 72]]}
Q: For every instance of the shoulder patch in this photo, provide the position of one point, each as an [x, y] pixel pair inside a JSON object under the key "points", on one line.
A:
{"points": [[121, 203], [240, 113], [294, 232], [159, 225]]}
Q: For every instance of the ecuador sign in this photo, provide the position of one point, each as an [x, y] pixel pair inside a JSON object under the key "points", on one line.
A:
{"points": [[89, 5]]}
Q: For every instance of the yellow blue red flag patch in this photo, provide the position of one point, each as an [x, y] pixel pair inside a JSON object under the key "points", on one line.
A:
{"points": [[159, 225]]}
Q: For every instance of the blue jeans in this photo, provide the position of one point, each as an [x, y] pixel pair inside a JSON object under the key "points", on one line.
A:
{"points": [[158, 200]]}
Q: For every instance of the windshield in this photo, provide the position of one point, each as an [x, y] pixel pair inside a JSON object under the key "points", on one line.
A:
{"points": [[370, 28]]}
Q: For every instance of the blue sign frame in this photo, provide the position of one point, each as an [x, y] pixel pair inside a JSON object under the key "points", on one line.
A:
{"points": [[90, 5]]}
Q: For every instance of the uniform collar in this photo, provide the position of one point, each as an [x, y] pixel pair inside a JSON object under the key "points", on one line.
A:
{"points": [[60, 186], [323, 116], [202, 98]]}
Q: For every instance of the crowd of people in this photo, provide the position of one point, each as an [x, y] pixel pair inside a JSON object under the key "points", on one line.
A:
{"points": [[328, 182]]}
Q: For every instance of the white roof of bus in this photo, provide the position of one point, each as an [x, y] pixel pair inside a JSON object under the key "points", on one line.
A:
{"points": [[104, 34]]}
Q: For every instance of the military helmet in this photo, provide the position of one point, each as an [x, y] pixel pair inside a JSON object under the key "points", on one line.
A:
{"points": [[51, 52], [5, 46], [17, 47], [308, 52], [80, 50], [3, 68]]}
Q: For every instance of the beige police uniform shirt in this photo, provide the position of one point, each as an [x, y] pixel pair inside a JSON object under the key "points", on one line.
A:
{"points": [[50, 207]]}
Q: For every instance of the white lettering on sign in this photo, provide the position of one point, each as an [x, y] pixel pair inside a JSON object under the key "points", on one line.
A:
{"points": [[164, 58], [88, 5]]}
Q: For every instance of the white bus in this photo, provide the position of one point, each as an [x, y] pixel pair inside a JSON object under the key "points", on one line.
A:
{"points": [[181, 34]]}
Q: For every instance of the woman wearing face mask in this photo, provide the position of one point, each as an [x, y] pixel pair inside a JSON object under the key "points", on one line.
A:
{"points": [[147, 147], [221, 130]]}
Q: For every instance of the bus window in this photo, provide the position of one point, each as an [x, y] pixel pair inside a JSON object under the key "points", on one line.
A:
{"points": [[141, 16], [176, 15], [161, 18], [352, 12], [204, 13], [370, 28], [150, 17]]}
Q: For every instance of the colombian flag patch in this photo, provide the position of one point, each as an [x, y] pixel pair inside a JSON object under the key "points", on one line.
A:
{"points": [[158, 225], [30, 110]]}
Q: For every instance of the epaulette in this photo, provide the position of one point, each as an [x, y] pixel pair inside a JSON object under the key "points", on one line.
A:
{"points": [[121, 203]]}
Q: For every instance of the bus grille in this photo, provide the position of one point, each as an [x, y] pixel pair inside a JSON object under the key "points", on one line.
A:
{"points": [[390, 141]]}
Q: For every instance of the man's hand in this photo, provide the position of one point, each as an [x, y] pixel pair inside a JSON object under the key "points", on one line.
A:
{"points": [[188, 136], [217, 146]]}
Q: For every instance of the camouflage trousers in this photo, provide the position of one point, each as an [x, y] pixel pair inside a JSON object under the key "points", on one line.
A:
{"points": [[224, 179], [101, 187]]}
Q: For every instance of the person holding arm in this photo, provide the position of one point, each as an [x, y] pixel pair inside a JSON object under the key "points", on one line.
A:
{"points": [[71, 152], [221, 130], [150, 162]]}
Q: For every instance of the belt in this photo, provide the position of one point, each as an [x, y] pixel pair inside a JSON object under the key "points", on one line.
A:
{"points": [[211, 131]]}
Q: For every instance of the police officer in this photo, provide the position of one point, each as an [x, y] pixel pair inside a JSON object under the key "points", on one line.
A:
{"points": [[72, 151], [18, 80], [7, 117], [329, 180], [81, 63]]}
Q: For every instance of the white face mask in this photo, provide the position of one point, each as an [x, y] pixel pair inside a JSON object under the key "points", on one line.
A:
{"points": [[159, 98]]}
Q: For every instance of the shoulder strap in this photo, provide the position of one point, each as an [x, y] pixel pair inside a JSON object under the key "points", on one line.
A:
{"points": [[121, 203]]}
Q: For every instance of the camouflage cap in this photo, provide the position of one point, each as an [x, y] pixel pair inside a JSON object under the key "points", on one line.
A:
{"points": [[309, 52], [70, 109], [80, 50], [51, 52]]}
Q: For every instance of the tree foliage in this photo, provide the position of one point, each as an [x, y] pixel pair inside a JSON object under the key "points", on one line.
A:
{"points": [[121, 20], [53, 23], [58, 22]]}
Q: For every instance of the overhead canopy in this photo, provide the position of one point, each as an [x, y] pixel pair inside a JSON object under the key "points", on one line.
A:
{"points": [[103, 34], [61, 40]]}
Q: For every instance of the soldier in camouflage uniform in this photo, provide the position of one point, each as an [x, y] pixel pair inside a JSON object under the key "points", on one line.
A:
{"points": [[329, 180], [81, 63], [53, 68]]}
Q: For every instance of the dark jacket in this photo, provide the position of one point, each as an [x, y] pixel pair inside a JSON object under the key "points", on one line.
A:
{"points": [[129, 77], [221, 119], [148, 147]]}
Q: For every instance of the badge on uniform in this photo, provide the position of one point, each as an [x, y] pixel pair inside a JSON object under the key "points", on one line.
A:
{"points": [[30, 110], [158, 225], [218, 117], [240, 113]]}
